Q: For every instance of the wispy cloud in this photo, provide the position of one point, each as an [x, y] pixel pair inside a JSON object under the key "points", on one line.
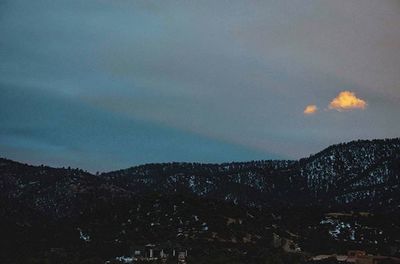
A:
{"points": [[310, 109], [347, 100]]}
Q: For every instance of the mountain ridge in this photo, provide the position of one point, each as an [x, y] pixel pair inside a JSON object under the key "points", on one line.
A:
{"points": [[210, 208], [328, 177]]}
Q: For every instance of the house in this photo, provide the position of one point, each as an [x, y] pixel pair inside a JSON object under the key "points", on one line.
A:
{"points": [[147, 252], [357, 257], [286, 244], [182, 257], [163, 256], [162, 253], [356, 253], [150, 251], [137, 252], [353, 255], [377, 260]]}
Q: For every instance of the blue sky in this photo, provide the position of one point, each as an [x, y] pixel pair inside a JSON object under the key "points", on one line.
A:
{"points": [[105, 84]]}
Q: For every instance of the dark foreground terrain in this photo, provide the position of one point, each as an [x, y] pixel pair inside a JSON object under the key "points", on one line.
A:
{"points": [[346, 197]]}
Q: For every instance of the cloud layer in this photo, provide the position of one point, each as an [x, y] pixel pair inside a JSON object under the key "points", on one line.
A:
{"points": [[207, 81]]}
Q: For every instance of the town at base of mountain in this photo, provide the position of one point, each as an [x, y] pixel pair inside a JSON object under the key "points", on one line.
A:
{"points": [[341, 205]]}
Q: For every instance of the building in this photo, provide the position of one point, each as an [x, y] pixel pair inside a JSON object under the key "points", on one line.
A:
{"points": [[182, 257], [353, 255], [377, 260], [357, 257], [162, 253], [286, 244]]}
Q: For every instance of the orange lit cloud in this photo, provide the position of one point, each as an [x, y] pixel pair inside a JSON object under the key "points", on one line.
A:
{"points": [[310, 109], [346, 101]]}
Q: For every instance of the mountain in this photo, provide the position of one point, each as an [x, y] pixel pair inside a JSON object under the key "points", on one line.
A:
{"points": [[360, 173], [357, 173], [345, 197]]}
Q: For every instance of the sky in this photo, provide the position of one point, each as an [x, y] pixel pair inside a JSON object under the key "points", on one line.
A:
{"points": [[104, 85]]}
